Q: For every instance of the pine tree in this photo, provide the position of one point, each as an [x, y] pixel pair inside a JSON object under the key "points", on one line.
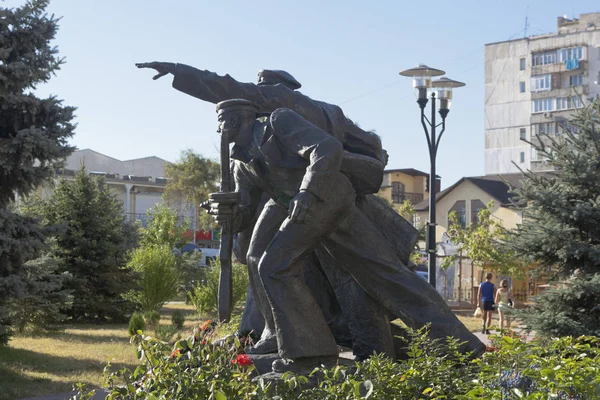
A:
{"points": [[33, 135], [92, 246], [45, 295], [561, 226]]}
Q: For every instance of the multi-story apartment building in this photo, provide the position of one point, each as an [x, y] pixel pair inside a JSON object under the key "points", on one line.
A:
{"points": [[532, 85]]}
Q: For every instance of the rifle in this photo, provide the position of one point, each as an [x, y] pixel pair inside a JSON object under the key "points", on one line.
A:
{"points": [[226, 197]]}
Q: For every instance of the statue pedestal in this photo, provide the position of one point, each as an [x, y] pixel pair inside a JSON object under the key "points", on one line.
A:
{"points": [[263, 367]]}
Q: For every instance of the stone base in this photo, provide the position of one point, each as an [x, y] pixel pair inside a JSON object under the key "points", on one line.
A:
{"points": [[263, 368]]}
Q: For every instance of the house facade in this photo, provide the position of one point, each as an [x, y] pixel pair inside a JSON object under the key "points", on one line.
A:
{"points": [[466, 197], [405, 184]]}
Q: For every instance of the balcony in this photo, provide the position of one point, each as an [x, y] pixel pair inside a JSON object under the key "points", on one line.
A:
{"points": [[557, 67], [540, 166], [561, 92], [414, 198]]}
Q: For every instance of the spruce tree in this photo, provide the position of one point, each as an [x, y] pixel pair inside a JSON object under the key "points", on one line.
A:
{"points": [[560, 231], [33, 138], [92, 246]]}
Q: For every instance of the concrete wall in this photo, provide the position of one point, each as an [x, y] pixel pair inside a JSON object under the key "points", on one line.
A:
{"points": [[507, 110]]}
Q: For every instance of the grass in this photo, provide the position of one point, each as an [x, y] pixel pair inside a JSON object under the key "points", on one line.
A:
{"points": [[473, 323], [51, 362]]}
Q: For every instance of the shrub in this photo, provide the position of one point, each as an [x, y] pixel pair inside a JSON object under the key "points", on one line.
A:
{"points": [[165, 332], [152, 318], [136, 323], [565, 368], [205, 295], [159, 276], [178, 319]]}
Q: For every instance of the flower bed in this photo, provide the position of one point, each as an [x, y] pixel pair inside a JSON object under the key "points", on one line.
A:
{"points": [[201, 368]]}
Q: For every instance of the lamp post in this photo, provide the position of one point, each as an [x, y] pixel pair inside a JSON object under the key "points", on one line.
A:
{"points": [[422, 82]]}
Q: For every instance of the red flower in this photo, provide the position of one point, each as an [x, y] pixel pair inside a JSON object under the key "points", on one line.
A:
{"points": [[242, 360], [206, 326], [490, 348], [175, 353]]}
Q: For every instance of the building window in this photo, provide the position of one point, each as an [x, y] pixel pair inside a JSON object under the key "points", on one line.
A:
{"points": [[543, 58], [565, 126], [476, 206], [548, 128], [563, 103], [541, 83], [522, 65], [398, 192], [576, 80], [542, 105], [522, 157], [523, 134], [567, 103], [522, 87], [461, 214], [574, 53]]}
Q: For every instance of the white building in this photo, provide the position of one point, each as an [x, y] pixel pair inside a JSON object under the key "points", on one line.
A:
{"points": [[139, 183], [532, 85]]}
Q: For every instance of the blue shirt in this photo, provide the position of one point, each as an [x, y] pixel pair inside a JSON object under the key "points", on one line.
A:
{"points": [[487, 291]]}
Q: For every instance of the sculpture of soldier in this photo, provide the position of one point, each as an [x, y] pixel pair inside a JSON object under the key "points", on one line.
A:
{"points": [[299, 166]]}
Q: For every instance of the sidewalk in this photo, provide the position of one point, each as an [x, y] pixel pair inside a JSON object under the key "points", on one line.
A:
{"points": [[485, 338], [100, 395]]}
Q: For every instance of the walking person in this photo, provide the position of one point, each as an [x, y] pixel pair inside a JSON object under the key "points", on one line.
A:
{"points": [[485, 297], [504, 301]]}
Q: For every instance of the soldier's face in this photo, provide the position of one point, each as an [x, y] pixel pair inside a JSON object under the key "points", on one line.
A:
{"points": [[229, 124]]}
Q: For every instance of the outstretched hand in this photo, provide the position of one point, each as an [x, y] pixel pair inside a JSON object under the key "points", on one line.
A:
{"points": [[163, 68]]}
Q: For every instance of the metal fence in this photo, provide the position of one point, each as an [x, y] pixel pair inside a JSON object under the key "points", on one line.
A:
{"points": [[469, 295], [414, 198]]}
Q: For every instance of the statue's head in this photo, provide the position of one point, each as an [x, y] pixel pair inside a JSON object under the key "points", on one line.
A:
{"points": [[236, 118], [275, 76]]}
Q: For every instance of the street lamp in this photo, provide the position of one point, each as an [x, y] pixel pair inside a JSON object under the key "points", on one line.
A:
{"points": [[422, 82]]}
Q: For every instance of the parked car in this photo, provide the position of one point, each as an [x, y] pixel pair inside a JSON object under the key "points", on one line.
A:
{"points": [[423, 274]]}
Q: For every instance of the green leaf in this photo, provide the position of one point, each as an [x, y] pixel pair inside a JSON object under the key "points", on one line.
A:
{"points": [[220, 395], [427, 390], [517, 392]]}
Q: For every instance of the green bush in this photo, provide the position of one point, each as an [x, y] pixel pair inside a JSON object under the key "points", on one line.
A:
{"points": [[565, 368], [178, 319], [152, 318], [205, 295], [165, 332], [136, 323], [159, 276]]}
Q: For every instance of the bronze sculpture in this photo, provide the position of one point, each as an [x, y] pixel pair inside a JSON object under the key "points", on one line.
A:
{"points": [[304, 149]]}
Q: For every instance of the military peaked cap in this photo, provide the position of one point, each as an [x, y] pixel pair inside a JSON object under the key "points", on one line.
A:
{"points": [[275, 76]]}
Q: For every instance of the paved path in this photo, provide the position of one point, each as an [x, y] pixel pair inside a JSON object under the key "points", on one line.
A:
{"points": [[100, 395]]}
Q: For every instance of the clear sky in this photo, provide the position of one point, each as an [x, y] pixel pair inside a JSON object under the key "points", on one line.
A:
{"points": [[343, 52]]}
